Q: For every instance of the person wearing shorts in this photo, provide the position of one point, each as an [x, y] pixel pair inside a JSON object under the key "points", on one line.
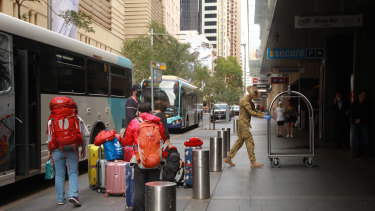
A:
{"points": [[291, 117], [280, 118]]}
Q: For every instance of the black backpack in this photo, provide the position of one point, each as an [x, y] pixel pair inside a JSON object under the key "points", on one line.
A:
{"points": [[172, 166]]}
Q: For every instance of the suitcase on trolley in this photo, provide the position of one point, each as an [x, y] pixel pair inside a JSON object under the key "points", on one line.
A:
{"points": [[115, 178], [93, 156], [100, 172], [129, 186]]}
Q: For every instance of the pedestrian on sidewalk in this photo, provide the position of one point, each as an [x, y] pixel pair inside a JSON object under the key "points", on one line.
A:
{"points": [[291, 117], [247, 109], [132, 105], [66, 157], [340, 110], [142, 175], [360, 115], [160, 108], [280, 118]]}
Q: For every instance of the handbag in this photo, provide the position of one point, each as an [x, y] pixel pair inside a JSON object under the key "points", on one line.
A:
{"points": [[50, 169], [113, 150]]}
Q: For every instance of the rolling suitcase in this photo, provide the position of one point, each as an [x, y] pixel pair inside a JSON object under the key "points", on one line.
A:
{"points": [[93, 156], [115, 178], [100, 166], [189, 165], [129, 187]]}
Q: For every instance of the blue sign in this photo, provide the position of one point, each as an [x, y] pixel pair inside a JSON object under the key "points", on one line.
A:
{"points": [[295, 53]]}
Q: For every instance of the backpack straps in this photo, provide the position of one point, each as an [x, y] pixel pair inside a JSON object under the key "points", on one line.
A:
{"points": [[139, 119]]}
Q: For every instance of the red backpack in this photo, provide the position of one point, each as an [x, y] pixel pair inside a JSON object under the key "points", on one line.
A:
{"points": [[65, 123], [148, 153]]}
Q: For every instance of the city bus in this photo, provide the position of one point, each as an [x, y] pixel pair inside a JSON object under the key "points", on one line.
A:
{"points": [[36, 65], [184, 103]]}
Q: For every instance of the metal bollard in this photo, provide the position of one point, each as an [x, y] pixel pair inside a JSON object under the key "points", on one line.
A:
{"points": [[223, 134], [201, 174], [235, 125], [228, 138], [216, 155], [160, 196]]}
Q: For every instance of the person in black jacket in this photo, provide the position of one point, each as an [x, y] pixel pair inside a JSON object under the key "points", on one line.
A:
{"points": [[340, 110], [360, 115], [160, 108], [132, 105]]}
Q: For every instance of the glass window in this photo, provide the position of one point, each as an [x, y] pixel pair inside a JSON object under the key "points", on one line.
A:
{"points": [[70, 59], [5, 78], [211, 38], [210, 23], [119, 70], [210, 8], [97, 77], [70, 79], [118, 85], [210, 15], [210, 31], [210, 1]]}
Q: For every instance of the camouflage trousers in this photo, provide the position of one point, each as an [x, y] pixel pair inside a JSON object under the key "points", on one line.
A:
{"points": [[244, 136]]}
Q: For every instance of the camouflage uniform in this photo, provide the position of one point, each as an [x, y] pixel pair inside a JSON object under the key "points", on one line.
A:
{"points": [[247, 109]]}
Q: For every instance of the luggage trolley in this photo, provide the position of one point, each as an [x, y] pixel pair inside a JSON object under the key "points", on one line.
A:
{"points": [[307, 157]]}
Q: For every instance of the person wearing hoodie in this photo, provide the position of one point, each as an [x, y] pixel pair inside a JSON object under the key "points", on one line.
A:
{"points": [[142, 176]]}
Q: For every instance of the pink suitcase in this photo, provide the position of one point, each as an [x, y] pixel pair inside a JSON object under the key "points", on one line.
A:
{"points": [[115, 178]]}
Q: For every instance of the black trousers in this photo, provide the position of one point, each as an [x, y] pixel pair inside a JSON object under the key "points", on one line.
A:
{"points": [[141, 177]]}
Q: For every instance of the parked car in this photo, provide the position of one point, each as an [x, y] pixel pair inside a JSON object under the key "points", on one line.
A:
{"points": [[235, 109], [221, 111]]}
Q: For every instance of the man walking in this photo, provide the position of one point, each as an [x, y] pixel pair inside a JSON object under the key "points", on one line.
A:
{"points": [[247, 109], [132, 104]]}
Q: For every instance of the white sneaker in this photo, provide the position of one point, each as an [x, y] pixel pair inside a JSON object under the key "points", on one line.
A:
{"points": [[291, 136], [287, 136]]}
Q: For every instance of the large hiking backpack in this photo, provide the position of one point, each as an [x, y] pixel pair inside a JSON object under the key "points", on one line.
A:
{"points": [[148, 152], [172, 164], [64, 129]]}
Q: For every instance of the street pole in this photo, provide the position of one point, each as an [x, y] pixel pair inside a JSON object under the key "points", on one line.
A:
{"points": [[152, 70], [49, 15]]}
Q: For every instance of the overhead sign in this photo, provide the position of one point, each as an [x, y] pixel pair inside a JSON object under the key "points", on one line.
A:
{"points": [[281, 70], [295, 53], [332, 21], [264, 80], [277, 80], [159, 66]]}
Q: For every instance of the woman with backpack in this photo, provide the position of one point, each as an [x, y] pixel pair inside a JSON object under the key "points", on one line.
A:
{"points": [[146, 157], [64, 139]]}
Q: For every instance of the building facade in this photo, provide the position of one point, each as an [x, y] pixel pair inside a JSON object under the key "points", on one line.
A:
{"points": [[214, 25], [139, 14], [234, 28], [171, 16], [191, 15], [108, 18]]}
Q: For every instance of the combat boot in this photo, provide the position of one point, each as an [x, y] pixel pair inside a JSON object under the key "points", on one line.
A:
{"points": [[229, 161], [254, 164]]}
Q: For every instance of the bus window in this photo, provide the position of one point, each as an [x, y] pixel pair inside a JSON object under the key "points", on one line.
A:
{"points": [[97, 77], [70, 73], [118, 86], [5, 80]]}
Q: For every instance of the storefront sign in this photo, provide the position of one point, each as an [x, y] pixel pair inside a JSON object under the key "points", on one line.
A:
{"points": [[295, 53], [333, 21], [277, 80]]}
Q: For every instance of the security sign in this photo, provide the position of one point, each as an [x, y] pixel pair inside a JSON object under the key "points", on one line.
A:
{"points": [[277, 80]]}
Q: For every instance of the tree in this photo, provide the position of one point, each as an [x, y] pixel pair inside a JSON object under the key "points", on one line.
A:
{"points": [[165, 49], [226, 83], [79, 19]]}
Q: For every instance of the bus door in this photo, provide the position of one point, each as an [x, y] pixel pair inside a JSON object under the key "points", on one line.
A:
{"points": [[28, 149], [7, 111]]}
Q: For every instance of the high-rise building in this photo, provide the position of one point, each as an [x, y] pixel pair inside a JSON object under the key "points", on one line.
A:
{"points": [[234, 28], [214, 25], [139, 14], [171, 16], [191, 15]]}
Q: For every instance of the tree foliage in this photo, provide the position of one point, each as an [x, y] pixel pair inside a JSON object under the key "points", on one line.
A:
{"points": [[79, 19]]}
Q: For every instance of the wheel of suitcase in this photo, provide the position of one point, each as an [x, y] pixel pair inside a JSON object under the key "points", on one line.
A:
{"points": [[276, 163], [309, 162]]}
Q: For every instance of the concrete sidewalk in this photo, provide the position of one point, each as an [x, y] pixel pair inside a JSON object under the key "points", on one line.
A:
{"points": [[338, 182]]}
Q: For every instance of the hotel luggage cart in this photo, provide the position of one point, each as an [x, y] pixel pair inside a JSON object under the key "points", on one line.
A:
{"points": [[307, 157]]}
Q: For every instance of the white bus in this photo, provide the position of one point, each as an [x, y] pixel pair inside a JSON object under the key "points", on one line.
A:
{"points": [[37, 65], [184, 102]]}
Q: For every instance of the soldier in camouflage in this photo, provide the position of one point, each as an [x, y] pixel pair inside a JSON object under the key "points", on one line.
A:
{"points": [[247, 109]]}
